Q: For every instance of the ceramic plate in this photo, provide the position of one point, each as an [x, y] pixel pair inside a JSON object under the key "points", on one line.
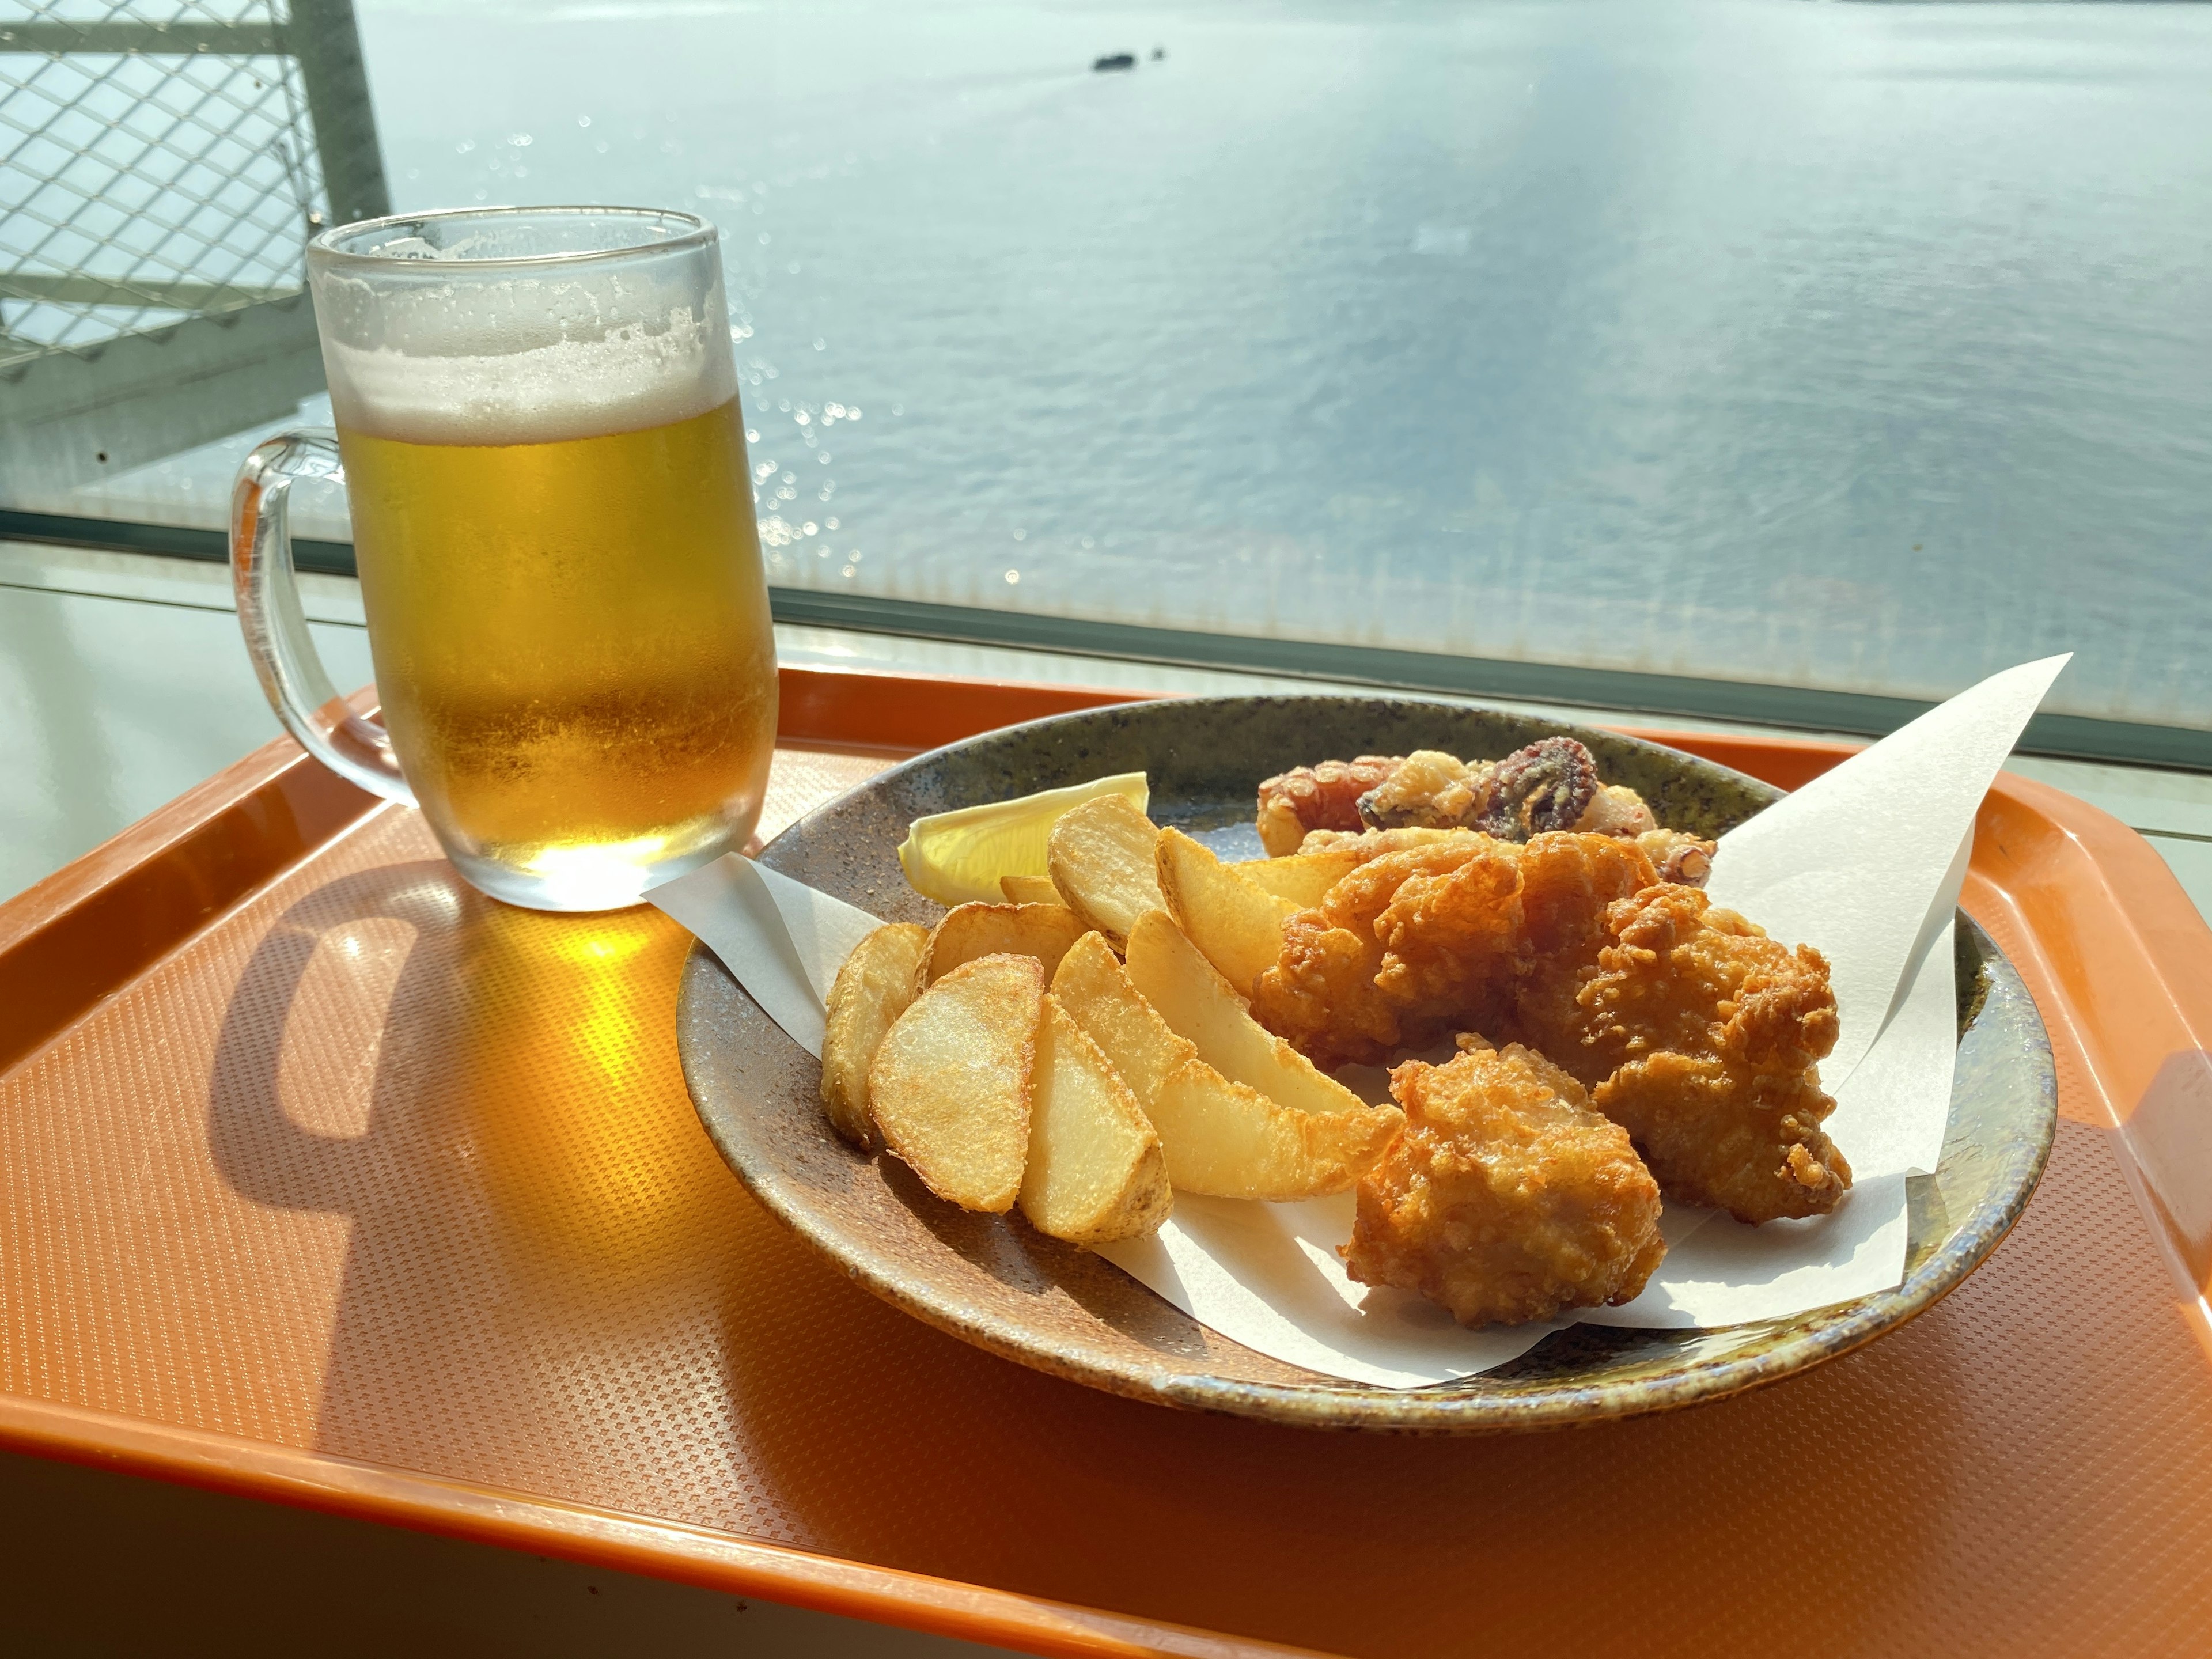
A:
{"points": [[994, 1282]]}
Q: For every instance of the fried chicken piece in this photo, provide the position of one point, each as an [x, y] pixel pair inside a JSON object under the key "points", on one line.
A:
{"points": [[1675, 854], [1750, 1144], [1458, 938], [1454, 939], [1505, 1197], [1434, 936], [1319, 996], [1323, 797], [1702, 1037], [1336, 994], [1570, 881]]}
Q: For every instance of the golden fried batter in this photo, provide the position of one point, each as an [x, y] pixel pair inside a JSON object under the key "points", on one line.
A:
{"points": [[1690, 1027], [1505, 1197], [1434, 933], [1452, 938], [1701, 1036], [1339, 991], [1569, 880], [1427, 789]]}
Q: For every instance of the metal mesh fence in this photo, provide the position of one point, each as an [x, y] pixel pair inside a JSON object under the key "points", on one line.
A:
{"points": [[157, 163]]}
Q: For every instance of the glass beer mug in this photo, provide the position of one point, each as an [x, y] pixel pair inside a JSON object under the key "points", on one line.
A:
{"points": [[538, 429]]}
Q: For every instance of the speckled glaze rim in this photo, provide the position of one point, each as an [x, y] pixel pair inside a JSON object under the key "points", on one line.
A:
{"points": [[1461, 1407]]}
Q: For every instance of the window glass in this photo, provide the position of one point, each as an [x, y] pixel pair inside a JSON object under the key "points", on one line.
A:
{"points": [[1862, 348]]}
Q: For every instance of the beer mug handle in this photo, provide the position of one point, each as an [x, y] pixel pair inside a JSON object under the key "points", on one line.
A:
{"points": [[276, 628]]}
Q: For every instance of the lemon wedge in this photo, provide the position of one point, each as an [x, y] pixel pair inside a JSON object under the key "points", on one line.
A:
{"points": [[956, 857]]}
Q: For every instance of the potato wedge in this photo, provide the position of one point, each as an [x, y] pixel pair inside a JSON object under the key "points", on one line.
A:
{"points": [[1229, 1141], [1096, 992], [1102, 859], [872, 990], [1197, 1003], [1304, 879], [950, 1089], [1096, 1172], [1218, 1137], [1238, 926], [1030, 889], [969, 930]]}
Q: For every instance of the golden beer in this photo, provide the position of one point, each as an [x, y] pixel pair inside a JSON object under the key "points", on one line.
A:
{"points": [[572, 644], [539, 426]]}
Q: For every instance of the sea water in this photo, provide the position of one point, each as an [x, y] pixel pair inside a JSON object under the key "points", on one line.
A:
{"points": [[1859, 346]]}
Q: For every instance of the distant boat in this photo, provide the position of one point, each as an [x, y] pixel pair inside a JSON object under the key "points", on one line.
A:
{"points": [[1119, 60]]}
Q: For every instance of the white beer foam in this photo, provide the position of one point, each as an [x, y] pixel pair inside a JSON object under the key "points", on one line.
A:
{"points": [[626, 382]]}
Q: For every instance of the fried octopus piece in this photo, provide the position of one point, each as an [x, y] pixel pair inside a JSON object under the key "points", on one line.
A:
{"points": [[1547, 786], [1678, 858], [1505, 1197], [1428, 790], [1323, 797], [1550, 785], [1702, 1037], [1616, 810], [1435, 935]]}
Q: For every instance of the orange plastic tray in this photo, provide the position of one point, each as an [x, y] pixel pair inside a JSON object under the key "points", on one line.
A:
{"points": [[324, 1179]]}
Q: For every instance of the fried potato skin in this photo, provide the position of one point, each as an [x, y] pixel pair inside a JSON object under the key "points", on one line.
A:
{"points": [[1225, 1139], [1506, 1199], [872, 990], [1167, 969], [1093, 988]]}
